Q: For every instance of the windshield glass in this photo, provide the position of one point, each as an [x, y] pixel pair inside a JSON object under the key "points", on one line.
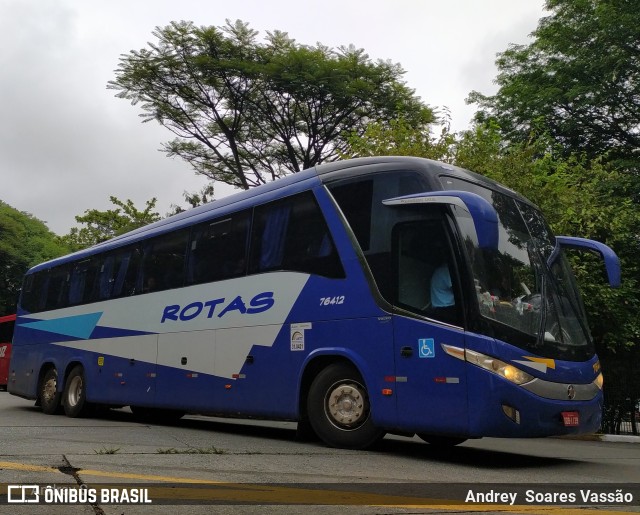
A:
{"points": [[525, 290]]}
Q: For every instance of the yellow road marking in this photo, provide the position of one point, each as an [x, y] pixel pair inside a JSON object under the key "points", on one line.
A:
{"points": [[148, 477], [27, 468]]}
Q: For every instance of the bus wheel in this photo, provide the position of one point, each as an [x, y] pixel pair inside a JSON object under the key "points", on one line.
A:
{"points": [[338, 408], [75, 393], [441, 441], [48, 394]]}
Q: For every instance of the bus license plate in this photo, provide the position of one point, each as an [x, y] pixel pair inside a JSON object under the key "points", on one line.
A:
{"points": [[570, 418]]}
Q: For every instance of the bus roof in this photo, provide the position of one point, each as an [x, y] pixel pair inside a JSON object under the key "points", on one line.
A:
{"points": [[279, 188]]}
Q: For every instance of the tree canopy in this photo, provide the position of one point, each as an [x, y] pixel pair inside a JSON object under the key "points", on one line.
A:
{"points": [[103, 225], [578, 81], [578, 196], [24, 242], [245, 112]]}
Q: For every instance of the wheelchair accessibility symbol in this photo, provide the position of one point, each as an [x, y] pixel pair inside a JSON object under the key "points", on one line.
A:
{"points": [[426, 348]]}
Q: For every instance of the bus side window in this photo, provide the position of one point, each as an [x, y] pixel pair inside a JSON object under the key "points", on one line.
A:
{"points": [[219, 249], [83, 285], [112, 274], [58, 287], [105, 278], [424, 268], [127, 278], [291, 234], [163, 263], [30, 288]]}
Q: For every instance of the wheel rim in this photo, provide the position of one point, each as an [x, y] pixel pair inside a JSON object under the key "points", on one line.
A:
{"points": [[346, 405], [49, 389], [75, 391]]}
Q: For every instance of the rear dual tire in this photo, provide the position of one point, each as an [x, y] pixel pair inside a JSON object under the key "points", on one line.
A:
{"points": [[48, 395], [74, 397]]}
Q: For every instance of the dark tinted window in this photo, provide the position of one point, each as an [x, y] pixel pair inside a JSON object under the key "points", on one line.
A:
{"points": [[219, 249], [163, 263], [6, 331], [57, 286], [355, 200], [118, 273], [83, 285], [360, 200], [291, 234], [31, 291]]}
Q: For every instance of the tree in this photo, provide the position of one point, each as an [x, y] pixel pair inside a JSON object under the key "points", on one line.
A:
{"points": [[103, 225], [24, 242], [399, 138], [579, 81], [246, 112], [578, 197]]}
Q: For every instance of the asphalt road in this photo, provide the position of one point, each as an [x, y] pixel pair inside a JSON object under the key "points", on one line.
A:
{"points": [[207, 465]]}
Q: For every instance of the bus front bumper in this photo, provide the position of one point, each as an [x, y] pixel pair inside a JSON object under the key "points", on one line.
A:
{"points": [[499, 408]]}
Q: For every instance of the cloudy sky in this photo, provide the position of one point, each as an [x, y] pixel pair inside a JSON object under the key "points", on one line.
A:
{"points": [[67, 144]]}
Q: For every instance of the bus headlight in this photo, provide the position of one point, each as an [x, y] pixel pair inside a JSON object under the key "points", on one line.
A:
{"points": [[509, 372], [599, 381]]}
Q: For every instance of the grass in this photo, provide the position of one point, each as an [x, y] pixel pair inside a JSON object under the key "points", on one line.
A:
{"points": [[192, 450], [106, 450]]}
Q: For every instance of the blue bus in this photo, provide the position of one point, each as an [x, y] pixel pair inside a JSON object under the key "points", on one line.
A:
{"points": [[362, 297]]}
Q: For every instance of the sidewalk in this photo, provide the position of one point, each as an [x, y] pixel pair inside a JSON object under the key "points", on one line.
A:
{"points": [[605, 438]]}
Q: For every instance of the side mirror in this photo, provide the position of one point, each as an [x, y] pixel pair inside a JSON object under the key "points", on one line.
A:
{"points": [[485, 218], [611, 260]]}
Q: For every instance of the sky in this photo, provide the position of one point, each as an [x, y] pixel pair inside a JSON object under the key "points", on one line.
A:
{"points": [[67, 143]]}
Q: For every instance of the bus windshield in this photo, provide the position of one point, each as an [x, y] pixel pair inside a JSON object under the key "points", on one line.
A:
{"points": [[526, 291]]}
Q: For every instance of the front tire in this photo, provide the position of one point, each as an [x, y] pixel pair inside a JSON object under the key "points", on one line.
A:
{"points": [[339, 410], [48, 394], [75, 393]]}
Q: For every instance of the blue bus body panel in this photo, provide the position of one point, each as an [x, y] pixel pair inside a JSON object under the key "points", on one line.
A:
{"points": [[431, 387]]}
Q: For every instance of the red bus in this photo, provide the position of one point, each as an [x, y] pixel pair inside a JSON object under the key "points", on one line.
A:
{"points": [[6, 333]]}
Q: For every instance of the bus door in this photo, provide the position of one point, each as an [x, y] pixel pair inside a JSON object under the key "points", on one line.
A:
{"points": [[430, 385]]}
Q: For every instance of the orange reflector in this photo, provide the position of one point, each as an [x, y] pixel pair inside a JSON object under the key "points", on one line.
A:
{"points": [[227, 387], [387, 391]]}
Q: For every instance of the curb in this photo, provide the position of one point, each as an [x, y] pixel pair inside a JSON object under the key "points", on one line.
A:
{"points": [[620, 438], [604, 438]]}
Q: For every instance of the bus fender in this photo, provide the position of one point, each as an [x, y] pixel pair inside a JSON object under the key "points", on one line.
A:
{"points": [[318, 360]]}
